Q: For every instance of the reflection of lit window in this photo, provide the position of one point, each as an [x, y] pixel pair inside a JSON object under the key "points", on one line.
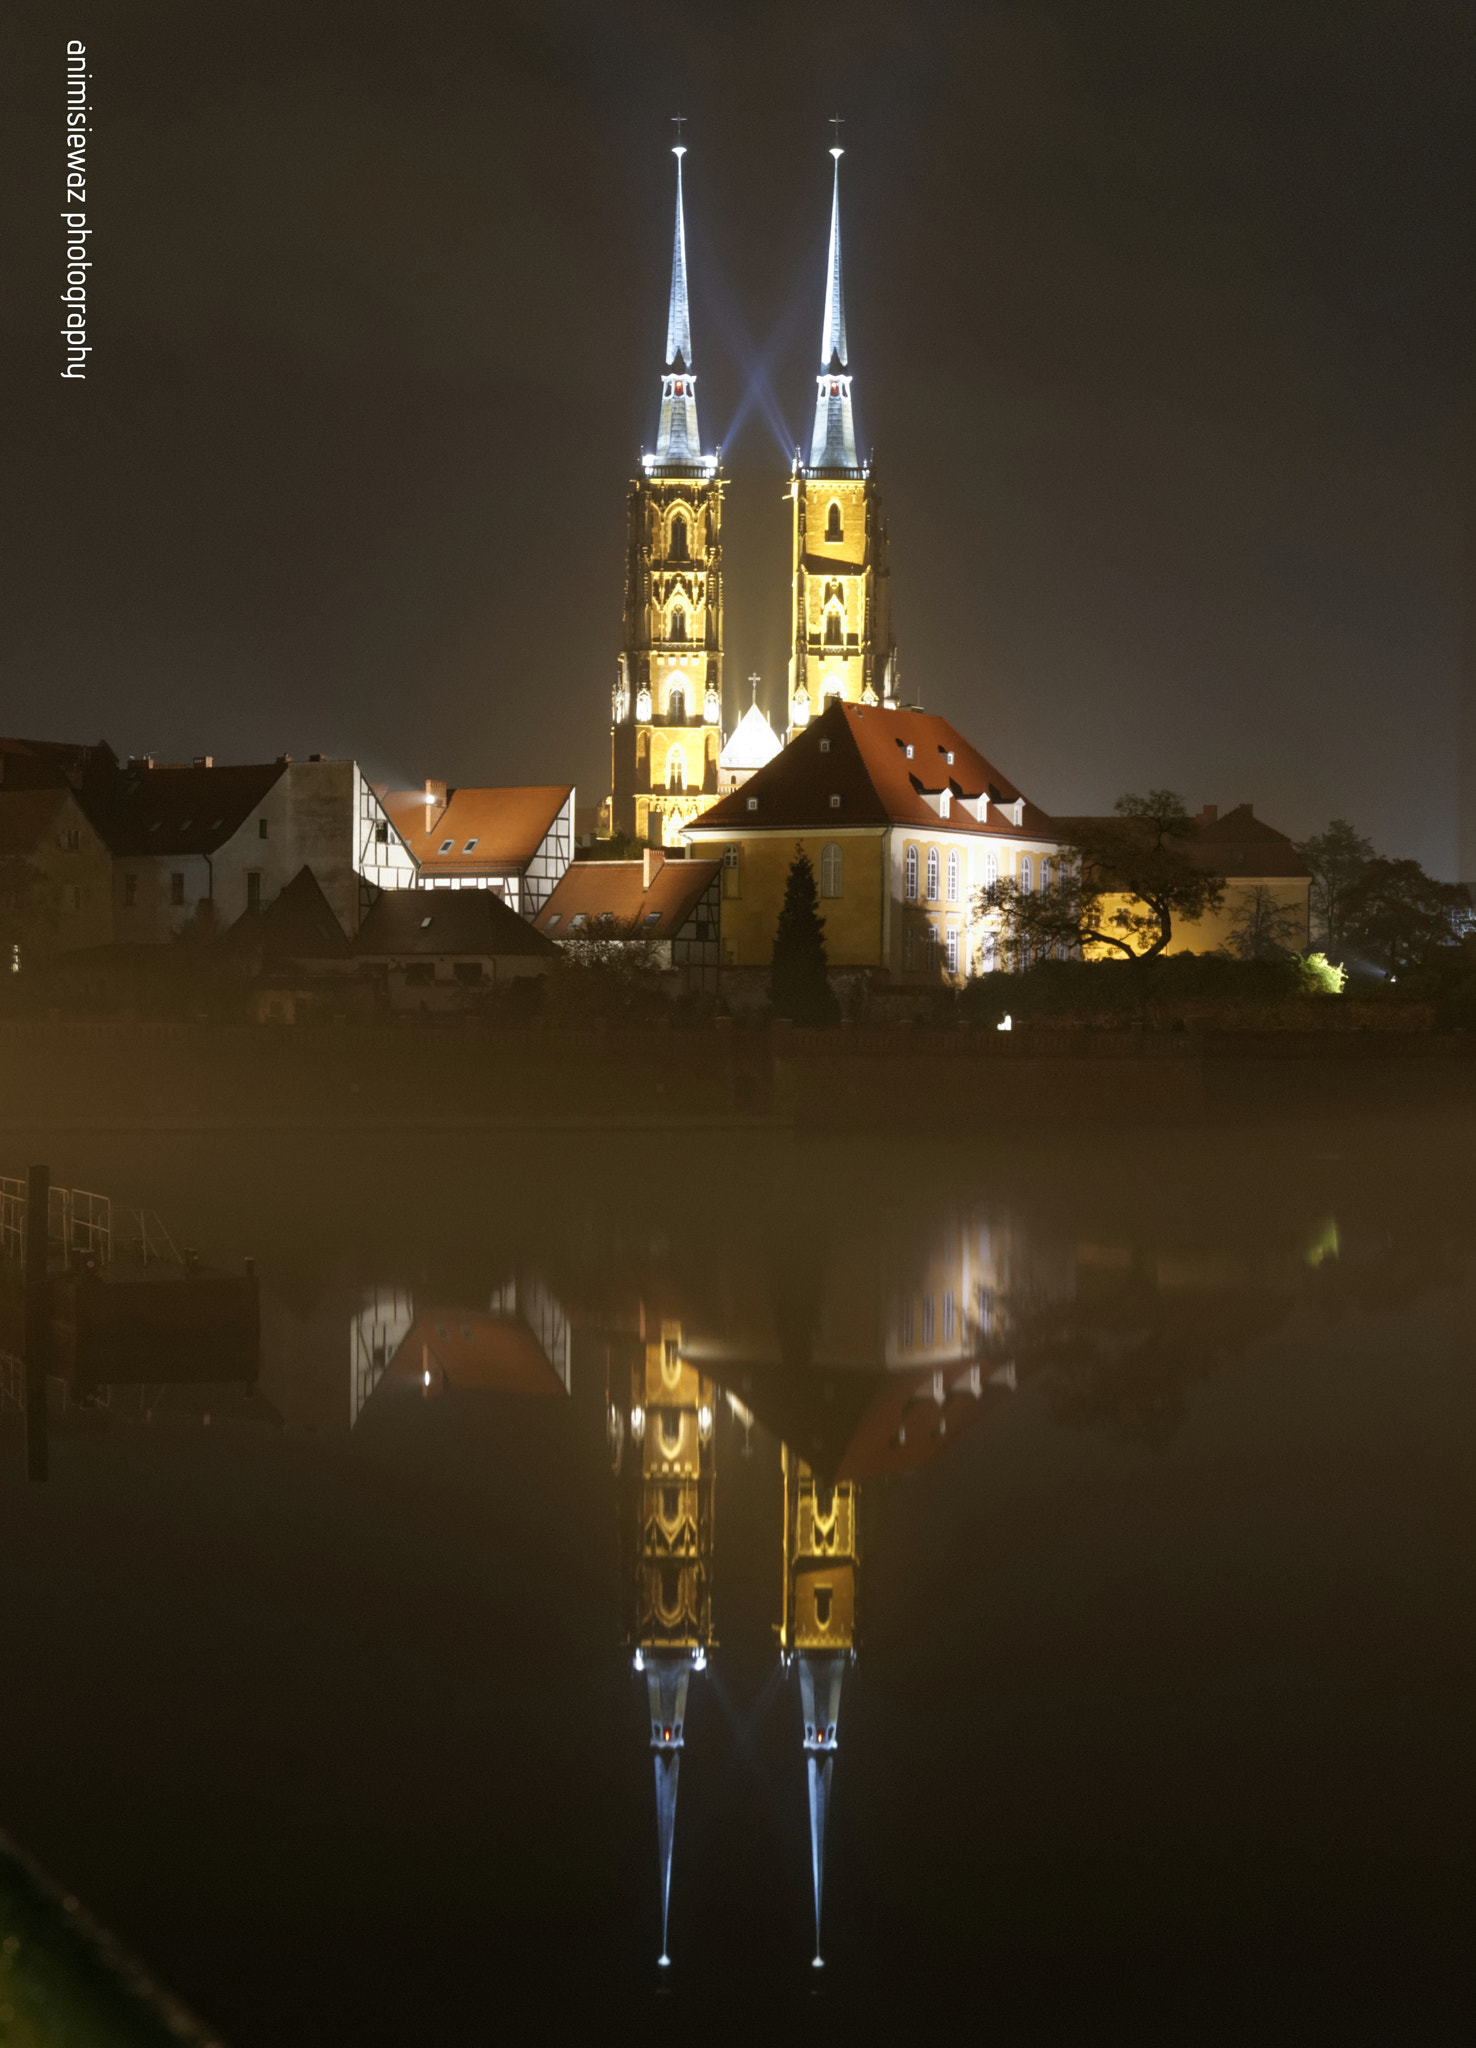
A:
{"points": [[948, 1318], [907, 1324], [927, 1334]]}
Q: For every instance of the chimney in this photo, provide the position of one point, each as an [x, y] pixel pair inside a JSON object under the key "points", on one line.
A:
{"points": [[653, 860], [1209, 814], [435, 795]]}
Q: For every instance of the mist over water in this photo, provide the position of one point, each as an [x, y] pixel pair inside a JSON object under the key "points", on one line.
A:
{"points": [[1161, 1446]]}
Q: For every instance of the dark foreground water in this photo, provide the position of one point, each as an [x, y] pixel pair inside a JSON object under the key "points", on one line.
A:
{"points": [[1159, 1721]]}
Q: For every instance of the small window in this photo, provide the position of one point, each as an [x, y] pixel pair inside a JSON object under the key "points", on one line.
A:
{"points": [[653, 917], [825, 746], [909, 874], [753, 803], [605, 917], [130, 890], [833, 527], [991, 869], [580, 917], [261, 828], [470, 846], [952, 950], [835, 803], [253, 891], [176, 889], [932, 874], [831, 870], [948, 757], [71, 840], [953, 875], [550, 921], [445, 846], [381, 835], [425, 923], [1027, 877], [909, 753], [731, 877]]}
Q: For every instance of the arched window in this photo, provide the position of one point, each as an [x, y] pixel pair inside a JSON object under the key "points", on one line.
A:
{"points": [[676, 769], [909, 874], [835, 633], [953, 875], [991, 869], [1045, 876], [932, 874], [679, 624], [834, 530], [678, 538], [676, 702], [1027, 877], [830, 870]]}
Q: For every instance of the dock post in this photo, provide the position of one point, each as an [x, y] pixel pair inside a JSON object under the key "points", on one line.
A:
{"points": [[37, 1317]]}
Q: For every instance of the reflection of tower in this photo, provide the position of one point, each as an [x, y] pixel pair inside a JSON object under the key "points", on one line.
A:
{"points": [[841, 615], [818, 1632], [666, 726], [667, 1500]]}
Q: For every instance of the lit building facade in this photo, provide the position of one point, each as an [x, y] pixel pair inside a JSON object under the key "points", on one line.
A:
{"points": [[841, 611], [667, 707]]}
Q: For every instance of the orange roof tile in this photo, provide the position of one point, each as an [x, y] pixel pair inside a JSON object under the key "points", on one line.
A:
{"points": [[882, 765], [490, 831], [593, 887]]}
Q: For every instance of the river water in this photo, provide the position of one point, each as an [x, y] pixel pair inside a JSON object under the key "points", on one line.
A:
{"points": [[1121, 1485]]}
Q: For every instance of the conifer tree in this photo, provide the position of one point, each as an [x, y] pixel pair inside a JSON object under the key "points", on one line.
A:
{"points": [[798, 986]]}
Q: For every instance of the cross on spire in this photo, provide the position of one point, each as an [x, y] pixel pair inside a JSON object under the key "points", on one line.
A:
{"points": [[837, 122], [679, 121], [754, 679]]}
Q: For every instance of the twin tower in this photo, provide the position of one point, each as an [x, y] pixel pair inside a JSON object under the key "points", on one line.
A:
{"points": [[670, 758]]}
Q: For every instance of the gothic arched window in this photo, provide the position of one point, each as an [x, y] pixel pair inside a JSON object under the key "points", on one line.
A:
{"points": [[830, 870], [676, 769], [953, 875], [679, 538], [834, 630], [834, 530], [932, 874], [676, 702], [679, 624], [909, 874]]}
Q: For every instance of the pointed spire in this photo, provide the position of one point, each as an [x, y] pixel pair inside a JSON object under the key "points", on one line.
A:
{"points": [[666, 1694], [678, 318], [833, 443], [833, 340], [677, 437], [820, 1690]]}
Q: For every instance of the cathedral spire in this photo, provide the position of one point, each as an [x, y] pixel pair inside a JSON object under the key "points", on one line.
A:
{"points": [[833, 444], [820, 1691], [666, 1689], [677, 438]]}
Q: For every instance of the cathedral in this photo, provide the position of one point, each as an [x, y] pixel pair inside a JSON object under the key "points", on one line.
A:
{"points": [[669, 758]]}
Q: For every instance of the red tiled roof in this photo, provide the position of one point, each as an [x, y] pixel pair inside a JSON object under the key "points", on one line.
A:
{"points": [[492, 831], [592, 887], [868, 766]]}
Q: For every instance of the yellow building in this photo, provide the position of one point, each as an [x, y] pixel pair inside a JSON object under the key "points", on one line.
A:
{"points": [[840, 613], [904, 824], [666, 711]]}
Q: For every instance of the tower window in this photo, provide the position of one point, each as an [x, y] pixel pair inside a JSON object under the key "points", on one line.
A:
{"points": [[834, 629], [831, 870], [679, 624], [909, 874], [676, 769], [932, 874], [676, 702], [679, 533], [834, 530]]}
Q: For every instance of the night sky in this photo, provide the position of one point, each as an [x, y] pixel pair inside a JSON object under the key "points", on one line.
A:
{"points": [[1160, 321]]}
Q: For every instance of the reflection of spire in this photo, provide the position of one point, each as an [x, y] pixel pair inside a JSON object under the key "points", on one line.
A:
{"points": [[833, 443], [677, 437], [820, 1690], [818, 1631], [666, 1692]]}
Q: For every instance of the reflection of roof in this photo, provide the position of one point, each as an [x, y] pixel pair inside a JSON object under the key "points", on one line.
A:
{"points": [[476, 1353], [753, 742], [185, 810], [860, 754], [1235, 846], [298, 925], [489, 830], [25, 815], [430, 922], [618, 886]]}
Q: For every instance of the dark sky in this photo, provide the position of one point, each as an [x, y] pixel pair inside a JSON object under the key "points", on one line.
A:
{"points": [[1160, 321]]}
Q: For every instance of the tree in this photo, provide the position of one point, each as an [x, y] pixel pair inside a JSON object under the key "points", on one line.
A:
{"points": [[1263, 927], [798, 985], [1336, 860], [1400, 917], [1120, 884]]}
